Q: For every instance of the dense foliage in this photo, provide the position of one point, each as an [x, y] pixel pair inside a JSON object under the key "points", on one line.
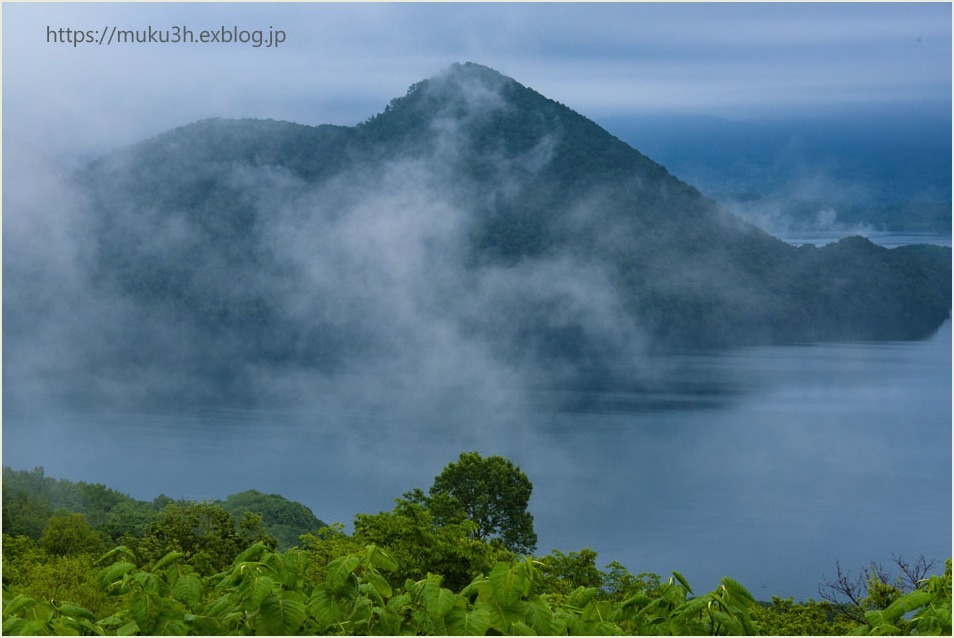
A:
{"points": [[284, 519], [195, 570], [491, 493], [58, 512]]}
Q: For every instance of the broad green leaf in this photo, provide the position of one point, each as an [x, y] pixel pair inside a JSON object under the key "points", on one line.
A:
{"points": [[188, 589], [33, 628], [472, 588], [360, 614], [508, 584], [906, 603], [605, 628], [655, 608], [151, 583], [726, 623], [388, 623], [340, 570], [693, 606], [396, 602], [42, 611], [521, 628], [876, 618], [67, 626], [738, 591], [259, 588], [325, 609], [235, 619], [170, 627], [675, 596], [113, 621], [368, 590], [597, 610], [288, 567], [380, 559], [639, 600], [145, 611], [168, 559], [109, 575], [203, 625], [379, 583], [461, 622], [934, 620], [18, 603], [749, 627], [580, 596], [438, 600], [502, 616], [682, 581], [282, 615], [10, 625], [116, 551], [221, 606], [253, 553], [539, 616], [76, 611]]}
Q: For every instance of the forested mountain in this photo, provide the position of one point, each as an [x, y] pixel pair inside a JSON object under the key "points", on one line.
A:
{"points": [[32, 499], [472, 220]]}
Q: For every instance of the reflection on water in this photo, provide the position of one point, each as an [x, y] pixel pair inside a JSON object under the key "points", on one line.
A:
{"points": [[765, 464]]}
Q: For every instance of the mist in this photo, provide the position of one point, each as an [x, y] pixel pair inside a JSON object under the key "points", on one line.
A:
{"points": [[861, 171], [355, 290], [190, 317]]}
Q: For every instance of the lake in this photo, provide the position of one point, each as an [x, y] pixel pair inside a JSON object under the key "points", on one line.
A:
{"points": [[765, 464]]}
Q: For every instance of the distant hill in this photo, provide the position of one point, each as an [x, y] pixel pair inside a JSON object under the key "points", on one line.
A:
{"points": [[31, 499], [473, 216], [876, 169]]}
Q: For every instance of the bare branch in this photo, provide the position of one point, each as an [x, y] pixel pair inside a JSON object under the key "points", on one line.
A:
{"points": [[844, 586], [913, 574]]}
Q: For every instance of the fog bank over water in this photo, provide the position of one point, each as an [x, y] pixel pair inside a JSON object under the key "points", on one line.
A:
{"points": [[335, 315], [764, 464], [798, 457], [475, 239]]}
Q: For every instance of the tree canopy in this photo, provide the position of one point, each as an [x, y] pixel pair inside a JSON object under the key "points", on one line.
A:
{"points": [[490, 492], [403, 572]]}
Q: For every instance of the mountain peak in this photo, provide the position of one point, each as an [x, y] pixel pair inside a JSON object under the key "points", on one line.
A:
{"points": [[472, 206], [473, 70], [488, 110], [458, 89]]}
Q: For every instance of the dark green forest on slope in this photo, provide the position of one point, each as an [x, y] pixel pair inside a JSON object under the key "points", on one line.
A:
{"points": [[83, 559], [238, 252], [520, 166]]}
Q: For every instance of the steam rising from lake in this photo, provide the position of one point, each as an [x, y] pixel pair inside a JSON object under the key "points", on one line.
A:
{"points": [[377, 260], [413, 352]]}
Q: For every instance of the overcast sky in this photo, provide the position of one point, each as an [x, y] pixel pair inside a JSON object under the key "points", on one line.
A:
{"points": [[340, 63]]}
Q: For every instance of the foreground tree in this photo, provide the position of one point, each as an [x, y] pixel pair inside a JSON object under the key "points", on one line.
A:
{"points": [[283, 519], [875, 587], [490, 492], [69, 534], [204, 533], [421, 546]]}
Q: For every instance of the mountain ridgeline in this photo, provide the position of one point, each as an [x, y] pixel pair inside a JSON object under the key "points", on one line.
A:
{"points": [[473, 223]]}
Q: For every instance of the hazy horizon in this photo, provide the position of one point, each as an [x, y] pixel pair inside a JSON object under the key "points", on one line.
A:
{"points": [[341, 63]]}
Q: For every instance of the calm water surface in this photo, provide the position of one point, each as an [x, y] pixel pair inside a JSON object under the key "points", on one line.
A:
{"points": [[770, 465], [798, 457]]}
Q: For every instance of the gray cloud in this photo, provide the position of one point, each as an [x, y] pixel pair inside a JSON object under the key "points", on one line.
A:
{"points": [[343, 62]]}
